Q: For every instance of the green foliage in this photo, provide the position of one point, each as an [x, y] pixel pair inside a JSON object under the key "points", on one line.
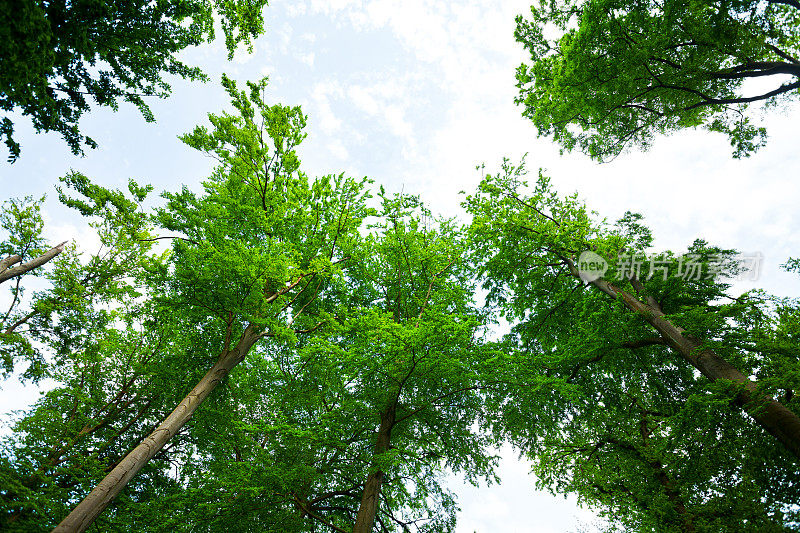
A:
{"points": [[72, 288], [291, 438], [112, 388], [358, 323], [601, 405], [22, 226], [21, 221], [607, 74], [371, 355], [59, 58], [257, 249]]}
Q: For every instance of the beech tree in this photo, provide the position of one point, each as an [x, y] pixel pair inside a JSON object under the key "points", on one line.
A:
{"points": [[608, 75], [84, 332], [418, 370], [59, 58], [662, 399], [249, 260], [352, 428], [360, 367], [112, 389]]}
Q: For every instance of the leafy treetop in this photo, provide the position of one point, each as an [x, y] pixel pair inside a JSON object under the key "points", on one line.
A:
{"points": [[59, 58], [605, 75]]}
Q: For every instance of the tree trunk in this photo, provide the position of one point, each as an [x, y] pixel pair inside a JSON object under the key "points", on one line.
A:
{"points": [[104, 493], [774, 417], [368, 510]]}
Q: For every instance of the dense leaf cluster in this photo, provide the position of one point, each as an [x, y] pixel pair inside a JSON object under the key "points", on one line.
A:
{"points": [[59, 58], [606, 75]]}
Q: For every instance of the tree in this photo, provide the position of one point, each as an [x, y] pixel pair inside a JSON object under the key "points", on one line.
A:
{"points": [[604, 411], [419, 367], [112, 388], [250, 261], [638, 391], [606, 75], [59, 57], [22, 251], [350, 429], [359, 360]]}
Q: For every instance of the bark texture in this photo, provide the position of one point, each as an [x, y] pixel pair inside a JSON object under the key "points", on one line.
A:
{"points": [[7, 272], [774, 417], [104, 493], [370, 499]]}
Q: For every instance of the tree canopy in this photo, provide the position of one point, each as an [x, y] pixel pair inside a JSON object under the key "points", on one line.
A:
{"points": [[605, 75], [60, 58], [274, 351], [608, 404], [349, 355]]}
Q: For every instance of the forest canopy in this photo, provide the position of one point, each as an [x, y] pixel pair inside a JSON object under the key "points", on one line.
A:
{"points": [[271, 347]]}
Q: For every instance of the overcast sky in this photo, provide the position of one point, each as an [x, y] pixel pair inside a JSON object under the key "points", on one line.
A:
{"points": [[414, 95]]}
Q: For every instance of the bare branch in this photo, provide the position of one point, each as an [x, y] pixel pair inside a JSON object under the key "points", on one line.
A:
{"points": [[8, 273]]}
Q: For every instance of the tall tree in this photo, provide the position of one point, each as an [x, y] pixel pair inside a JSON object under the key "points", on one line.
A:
{"points": [[250, 260], [607, 413], [61, 57], [95, 337], [351, 429], [605, 75], [631, 375], [111, 389], [422, 367]]}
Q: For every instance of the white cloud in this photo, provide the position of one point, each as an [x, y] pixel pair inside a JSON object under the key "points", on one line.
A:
{"points": [[338, 149], [308, 37], [324, 115], [296, 9], [307, 59]]}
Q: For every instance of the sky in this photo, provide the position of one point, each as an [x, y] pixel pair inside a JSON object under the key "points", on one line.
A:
{"points": [[416, 94]]}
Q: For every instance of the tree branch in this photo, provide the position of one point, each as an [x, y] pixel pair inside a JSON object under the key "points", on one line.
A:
{"points": [[712, 101], [8, 273]]}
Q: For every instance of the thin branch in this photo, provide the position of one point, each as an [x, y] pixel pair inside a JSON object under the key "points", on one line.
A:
{"points": [[8, 261], [19, 322], [744, 100], [169, 237], [306, 509]]}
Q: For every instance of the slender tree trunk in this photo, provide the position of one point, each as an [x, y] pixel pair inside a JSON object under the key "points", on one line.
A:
{"points": [[104, 493], [774, 417], [370, 499]]}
